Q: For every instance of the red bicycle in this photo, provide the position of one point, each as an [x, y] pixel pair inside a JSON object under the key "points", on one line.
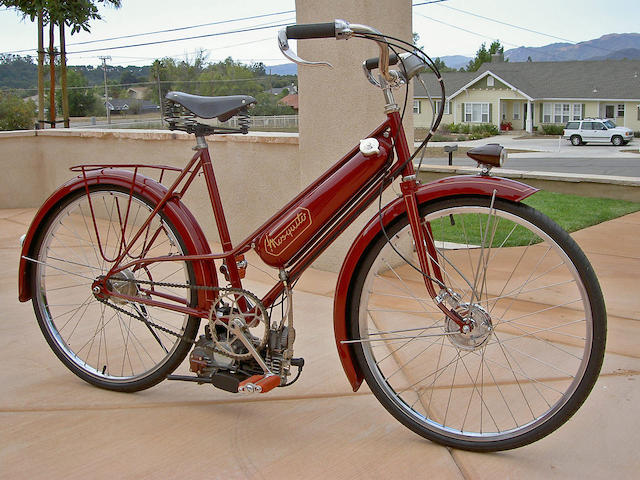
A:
{"points": [[475, 320]]}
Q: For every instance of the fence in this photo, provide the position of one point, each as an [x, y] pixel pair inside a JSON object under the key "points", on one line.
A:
{"points": [[276, 122]]}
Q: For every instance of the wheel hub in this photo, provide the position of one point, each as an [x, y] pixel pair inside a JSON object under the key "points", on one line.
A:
{"points": [[474, 335], [123, 284]]}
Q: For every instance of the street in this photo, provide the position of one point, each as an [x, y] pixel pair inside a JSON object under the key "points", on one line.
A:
{"points": [[547, 162], [544, 154]]}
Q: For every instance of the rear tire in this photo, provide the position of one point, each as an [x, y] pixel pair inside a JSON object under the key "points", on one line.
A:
{"points": [[539, 323], [101, 345], [576, 140]]}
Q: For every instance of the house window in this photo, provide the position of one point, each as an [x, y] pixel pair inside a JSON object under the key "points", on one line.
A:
{"points": [[490, 81], [577, 111], [476, 112], [447, 106], [416, 107], [516, 111], [546, 112], [561, 112], [621, 110]]}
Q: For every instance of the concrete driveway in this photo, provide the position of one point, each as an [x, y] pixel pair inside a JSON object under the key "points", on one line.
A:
{"points": [[550, 145], [56, 426]]}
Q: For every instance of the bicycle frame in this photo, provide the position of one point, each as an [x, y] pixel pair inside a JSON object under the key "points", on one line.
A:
{"points": [[335, 216]]}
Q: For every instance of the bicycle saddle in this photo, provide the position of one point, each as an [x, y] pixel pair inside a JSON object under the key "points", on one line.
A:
{"points": [[209, 107]]}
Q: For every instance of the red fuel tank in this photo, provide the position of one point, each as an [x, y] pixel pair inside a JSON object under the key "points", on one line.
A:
{"points": [[295, 226]]}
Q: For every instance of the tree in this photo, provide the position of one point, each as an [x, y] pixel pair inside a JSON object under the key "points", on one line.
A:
{"points": [[441, 66], [75, 14], [483, 55], [15, 113], [82, 101]]}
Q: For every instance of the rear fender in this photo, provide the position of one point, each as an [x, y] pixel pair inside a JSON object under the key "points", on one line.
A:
{"points": [[177, 213], [476, 185]]}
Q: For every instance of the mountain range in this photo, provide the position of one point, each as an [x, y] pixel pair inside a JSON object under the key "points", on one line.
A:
{"points": [[610, 46]]}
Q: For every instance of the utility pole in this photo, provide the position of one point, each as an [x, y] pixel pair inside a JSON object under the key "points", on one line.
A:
{"points": [[106, 93], [160, 94], [52, 75], [63, 77], [40, 70]]}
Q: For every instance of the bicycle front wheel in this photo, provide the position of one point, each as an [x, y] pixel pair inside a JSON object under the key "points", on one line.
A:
{"points": [[538, 325], [114, 348]]}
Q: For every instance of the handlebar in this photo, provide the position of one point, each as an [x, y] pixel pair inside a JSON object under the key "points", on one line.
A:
{"points": [[339, 29], [311, 30], [373, 63]]}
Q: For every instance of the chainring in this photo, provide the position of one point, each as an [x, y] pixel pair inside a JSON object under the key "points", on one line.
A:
{"points": [[246, 309]]}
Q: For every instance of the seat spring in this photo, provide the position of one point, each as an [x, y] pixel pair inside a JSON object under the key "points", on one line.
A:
{"points": [[244, 121]]}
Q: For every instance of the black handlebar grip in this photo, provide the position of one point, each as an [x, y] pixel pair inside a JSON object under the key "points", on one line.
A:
{"points": [[311, 30], [372, 63]]}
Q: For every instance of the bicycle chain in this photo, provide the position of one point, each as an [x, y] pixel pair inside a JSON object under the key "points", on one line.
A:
{"points": [[176, 285]]}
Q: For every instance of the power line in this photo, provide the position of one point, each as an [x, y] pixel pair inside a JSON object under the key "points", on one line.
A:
{"points": [[134, 84], [165, 31], [464, 29], [520, 27], [158, 42]]}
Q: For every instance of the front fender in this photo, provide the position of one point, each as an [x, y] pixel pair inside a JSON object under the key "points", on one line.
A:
{"points": [[177, 213], [475, 185]]}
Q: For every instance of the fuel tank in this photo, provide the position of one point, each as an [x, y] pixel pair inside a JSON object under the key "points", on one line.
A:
{"points": [[302, 220]]}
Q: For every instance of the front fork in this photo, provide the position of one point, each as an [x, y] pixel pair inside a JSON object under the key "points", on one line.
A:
{"points": [[427, 254]]}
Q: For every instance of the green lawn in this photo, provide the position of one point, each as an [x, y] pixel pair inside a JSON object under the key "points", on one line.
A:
{"points": [[571, 212]]}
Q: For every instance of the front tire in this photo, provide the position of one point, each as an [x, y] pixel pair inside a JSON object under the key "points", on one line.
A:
{"points": [[102, 345], [539, 326], [617, 140]]}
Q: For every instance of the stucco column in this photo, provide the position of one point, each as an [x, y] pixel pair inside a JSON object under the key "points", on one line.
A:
{"points": [[529, 117], [339, 107]]}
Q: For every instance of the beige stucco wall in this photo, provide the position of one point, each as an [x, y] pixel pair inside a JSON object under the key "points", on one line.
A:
{"points": [[256, 174], [338, 106]]}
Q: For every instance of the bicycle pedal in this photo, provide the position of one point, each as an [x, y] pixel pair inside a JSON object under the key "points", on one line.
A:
{"points": [[259, 384]]}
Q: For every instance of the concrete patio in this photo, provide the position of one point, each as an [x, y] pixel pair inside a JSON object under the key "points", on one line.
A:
{"points": [[55, 425]]}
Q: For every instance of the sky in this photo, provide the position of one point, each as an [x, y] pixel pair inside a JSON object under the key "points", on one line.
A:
{"points": [[450, 27]]}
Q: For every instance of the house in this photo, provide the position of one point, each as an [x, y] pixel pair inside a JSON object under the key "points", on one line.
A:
{"points": [[290, 100], [137, 92], [529, 94], [132, 105], [292, 89]]}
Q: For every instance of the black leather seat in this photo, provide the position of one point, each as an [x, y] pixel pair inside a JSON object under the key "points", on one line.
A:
{"points": [[211, 107]]}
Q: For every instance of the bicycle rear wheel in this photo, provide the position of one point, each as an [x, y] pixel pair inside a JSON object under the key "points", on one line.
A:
{"points": [[538, 336], [103, 346]]}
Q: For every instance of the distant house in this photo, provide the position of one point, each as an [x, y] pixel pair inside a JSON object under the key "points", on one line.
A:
{"points": [[277, 91], [118, 105], [290, 100], [137, 92], [528, 94], [132, 105]]}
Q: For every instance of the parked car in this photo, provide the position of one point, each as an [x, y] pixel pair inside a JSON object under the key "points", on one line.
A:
{"points": [[596, 130]]}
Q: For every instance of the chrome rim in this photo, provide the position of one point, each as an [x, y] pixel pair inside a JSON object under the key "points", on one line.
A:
{"points": [[104, 343], [532, 317]]}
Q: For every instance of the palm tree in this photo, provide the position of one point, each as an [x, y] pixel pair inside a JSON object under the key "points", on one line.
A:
{"points": [[75, 14]]}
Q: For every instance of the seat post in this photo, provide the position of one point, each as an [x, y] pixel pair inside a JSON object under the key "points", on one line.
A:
{"points": [[201, 143]]}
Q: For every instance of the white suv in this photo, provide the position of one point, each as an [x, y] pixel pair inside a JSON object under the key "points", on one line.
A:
{"points": [[596, 130]]}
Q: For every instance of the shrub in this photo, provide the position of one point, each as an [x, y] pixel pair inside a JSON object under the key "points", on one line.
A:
{"points": [[440, 138], [552, 129], [444, 129], [636, 134], [15, 113], [453, 128], [484, 130]]}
